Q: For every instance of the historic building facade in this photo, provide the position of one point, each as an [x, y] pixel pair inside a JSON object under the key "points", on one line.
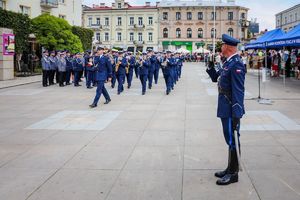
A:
{"points": [[289, 18], [66, 9], [121, 25], [190, 24]]}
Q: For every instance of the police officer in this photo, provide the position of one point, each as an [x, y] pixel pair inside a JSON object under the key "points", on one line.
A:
{"points": [[144, 65], [77, 68], [69, 67], [62, 65], [46, 68], [156, 68], [103, 71], [152, 60], [121, 71], [90, 71], [230, 104], [129, 74], [52, 67], [114, 76], [170, 64]]}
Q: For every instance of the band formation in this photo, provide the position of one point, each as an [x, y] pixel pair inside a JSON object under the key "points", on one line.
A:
{"points": [[112, 66]]}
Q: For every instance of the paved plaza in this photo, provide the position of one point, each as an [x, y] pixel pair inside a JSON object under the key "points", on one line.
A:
{"points": [[151, 147]]}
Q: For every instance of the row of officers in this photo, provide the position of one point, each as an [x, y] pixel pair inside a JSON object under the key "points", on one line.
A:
{"points": [[111, 66]]}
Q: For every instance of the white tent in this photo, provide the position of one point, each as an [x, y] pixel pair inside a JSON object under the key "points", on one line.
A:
{"points": [[182, 50], [201, 50]]}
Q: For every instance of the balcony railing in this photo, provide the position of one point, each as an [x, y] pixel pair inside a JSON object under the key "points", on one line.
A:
{"points": [[139, 26], [49, 3], [138, 43], [96, 26]]}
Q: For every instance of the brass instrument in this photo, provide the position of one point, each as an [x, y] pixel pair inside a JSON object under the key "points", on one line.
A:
{"points": [[118, 64], [127, 68]]}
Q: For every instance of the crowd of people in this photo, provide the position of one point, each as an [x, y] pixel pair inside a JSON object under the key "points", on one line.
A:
{"points": [[276, 63], [113, 66]]}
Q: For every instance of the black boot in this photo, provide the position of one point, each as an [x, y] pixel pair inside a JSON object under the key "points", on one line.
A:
{"points": [[232, 172], [107, 101], [220, 174]]}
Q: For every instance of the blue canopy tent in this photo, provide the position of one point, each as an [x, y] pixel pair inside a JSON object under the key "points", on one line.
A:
{"points": [[260, 43], [291, 39]]}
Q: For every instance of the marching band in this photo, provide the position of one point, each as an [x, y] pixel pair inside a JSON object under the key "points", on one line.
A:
{"points": [[120, 67]]}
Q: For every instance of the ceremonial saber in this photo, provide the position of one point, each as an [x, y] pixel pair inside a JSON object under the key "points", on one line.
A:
{"points": [[237, 150]]}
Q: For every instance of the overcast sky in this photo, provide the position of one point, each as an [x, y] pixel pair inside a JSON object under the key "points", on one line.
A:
{"points": [[263, 10]]}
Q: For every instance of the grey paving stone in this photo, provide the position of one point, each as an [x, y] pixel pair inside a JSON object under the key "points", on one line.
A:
{"points": [[156, 158], [77, 184], [101, 157], [147, 185], [18, 184], [276, 184]]}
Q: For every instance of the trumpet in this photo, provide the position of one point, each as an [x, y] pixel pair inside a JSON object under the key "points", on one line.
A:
{"points": [[127, 68], [118, 63]]}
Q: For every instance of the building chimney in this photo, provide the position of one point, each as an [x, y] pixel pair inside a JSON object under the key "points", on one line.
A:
{"points": [[147, 3], [231, 1]]}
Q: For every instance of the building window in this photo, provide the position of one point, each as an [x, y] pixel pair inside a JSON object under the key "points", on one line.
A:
{"points": [[119, 36], [90, 21], [278, 22], [189, 16], [140, 37], [131, 36], [200, 33], [25, 10], [165, 16], [291, 18], [178, 16], [106, 37], [165, 33], [62, 1], [189, 33], [150, 20], [230, 32], [150, 37], [106, 21], [230, 15], [285, 20], [213, 15], [62, 16], [119, 5], [140, 21], [98, 36], [200, 15], [178, 33], [98, 20], [213, 33], [2, 4], [131, 21], [296, 17], [119, 23], [243, 15]]}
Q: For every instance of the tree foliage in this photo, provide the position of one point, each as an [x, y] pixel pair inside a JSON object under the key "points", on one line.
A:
{"points": [[55, 33], [21, 25], [85, 35]]}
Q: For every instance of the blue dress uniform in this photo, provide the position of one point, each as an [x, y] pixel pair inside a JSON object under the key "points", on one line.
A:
{"points": [[166, 68], [114, 76], [77, 68], [121, 72], [230, 80], [143, 73], [52, 68], [129, 75], [156, 70], [103, 71], [180, 63], [69, 68], [90, 71], [137, 67], [46, 69], [152, 60]]}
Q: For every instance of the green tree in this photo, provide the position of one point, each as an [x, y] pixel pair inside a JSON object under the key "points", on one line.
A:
{"points": [[21, 25], [85, 35], [54, 33], [218, 46]]}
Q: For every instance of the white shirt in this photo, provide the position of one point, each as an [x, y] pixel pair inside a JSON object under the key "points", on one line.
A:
{"points": [[231, 56]]}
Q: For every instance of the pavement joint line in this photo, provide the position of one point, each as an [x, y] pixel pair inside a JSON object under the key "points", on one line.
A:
{"points": [[57, 170], [184, 138], [133, 149], [21, 84], [33, 146]]}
